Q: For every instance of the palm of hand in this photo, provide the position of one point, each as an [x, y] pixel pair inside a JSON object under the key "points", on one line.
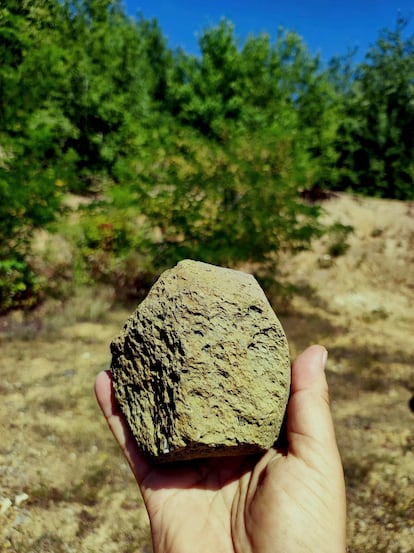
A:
{"points": [[195, 506], [233, 505]]}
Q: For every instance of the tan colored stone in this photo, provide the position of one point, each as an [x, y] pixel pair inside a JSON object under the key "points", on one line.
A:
{"points": [[202, 367]]}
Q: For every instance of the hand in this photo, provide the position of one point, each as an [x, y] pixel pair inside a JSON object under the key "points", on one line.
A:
{"points": [[289, 501]]}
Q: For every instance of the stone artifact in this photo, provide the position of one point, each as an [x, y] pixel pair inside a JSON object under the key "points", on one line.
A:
{"points": [[202, 367]]}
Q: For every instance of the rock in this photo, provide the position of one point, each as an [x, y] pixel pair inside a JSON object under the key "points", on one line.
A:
{"points": [[20, 498], [5, 504], [202, 367]]}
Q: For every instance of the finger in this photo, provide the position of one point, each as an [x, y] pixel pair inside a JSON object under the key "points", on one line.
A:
{"points": [[309, 416], [119, 428]]}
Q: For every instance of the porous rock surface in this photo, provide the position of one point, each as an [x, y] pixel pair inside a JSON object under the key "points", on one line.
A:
{"points": [[202, 367]]}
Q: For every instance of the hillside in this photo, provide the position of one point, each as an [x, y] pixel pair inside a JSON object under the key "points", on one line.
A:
{"points": [[64, 486], [361, 308]]}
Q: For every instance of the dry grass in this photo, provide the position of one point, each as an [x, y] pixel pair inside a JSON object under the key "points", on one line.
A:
{"points": [[56, 447]]}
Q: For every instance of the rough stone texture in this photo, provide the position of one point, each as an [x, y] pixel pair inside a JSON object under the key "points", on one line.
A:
{"points": [[202, 367]]}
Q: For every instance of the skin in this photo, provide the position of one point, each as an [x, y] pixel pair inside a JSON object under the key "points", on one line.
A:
{"points": [[287, 501]]}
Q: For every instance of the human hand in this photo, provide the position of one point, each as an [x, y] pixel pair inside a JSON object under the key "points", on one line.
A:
{"points": [[289, 501]]}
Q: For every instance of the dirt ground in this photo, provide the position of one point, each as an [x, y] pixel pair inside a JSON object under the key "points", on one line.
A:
{"points": [[65, 488]]}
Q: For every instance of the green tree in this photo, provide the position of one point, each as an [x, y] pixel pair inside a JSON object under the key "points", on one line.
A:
{"points": [[201, 91], [116, 76], [375, 138], [220, 170], [223, 205], [234, 90], [33, 164]]}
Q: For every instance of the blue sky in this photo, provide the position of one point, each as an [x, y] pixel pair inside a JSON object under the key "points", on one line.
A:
{"points": [[327, 26]]}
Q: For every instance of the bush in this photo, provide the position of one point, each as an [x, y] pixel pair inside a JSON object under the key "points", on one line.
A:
{"points": [[30, 197], [221, 203], [18, 286], [116, 247]]}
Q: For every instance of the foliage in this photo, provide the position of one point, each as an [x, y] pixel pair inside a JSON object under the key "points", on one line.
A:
{"points": [[191, 197], [182, 156], [111, 77], [227, 205], [18, 287], [375, 139], [338, 244], [30, 193]]}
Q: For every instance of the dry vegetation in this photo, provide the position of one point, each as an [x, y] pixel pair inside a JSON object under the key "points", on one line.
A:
{"points": [[63, 485]]}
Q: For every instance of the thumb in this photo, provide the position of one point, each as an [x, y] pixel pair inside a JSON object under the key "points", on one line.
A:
{"points": [[309, 421]]}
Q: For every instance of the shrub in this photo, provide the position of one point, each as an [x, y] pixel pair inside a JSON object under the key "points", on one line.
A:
{"points": [[221, 203], [18, 285]]}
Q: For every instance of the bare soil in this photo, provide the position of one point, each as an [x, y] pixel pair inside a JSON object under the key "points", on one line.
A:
{"points": [[64, 487]]}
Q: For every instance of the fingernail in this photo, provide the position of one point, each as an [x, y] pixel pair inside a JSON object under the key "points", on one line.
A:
{"points": [[324, 358]]}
